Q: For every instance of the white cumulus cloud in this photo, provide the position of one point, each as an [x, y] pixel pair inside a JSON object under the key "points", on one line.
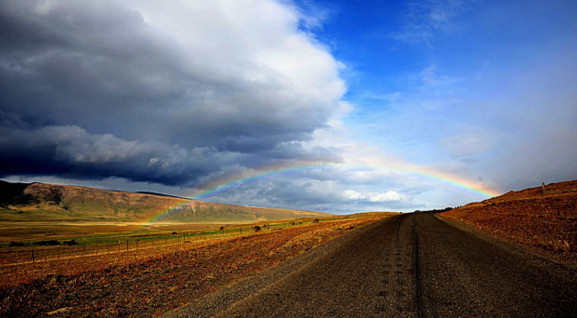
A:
{"points": [[373, 196]]}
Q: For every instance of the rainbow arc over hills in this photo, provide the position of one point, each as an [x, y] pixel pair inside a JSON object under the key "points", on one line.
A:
{"points": [[226, 183]]}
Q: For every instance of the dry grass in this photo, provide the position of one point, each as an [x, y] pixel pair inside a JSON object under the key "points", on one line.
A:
{"points": [[543, 219], [156, 278]]}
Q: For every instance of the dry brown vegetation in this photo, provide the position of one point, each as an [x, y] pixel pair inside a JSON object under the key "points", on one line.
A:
{"points": [[155, 276], [541, 218]]}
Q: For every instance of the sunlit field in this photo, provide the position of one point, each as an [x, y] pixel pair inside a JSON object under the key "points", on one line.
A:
{"points": [[148, 269]]}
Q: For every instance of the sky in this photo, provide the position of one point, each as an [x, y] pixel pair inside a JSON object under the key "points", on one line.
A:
{"points": [[337, 106]]}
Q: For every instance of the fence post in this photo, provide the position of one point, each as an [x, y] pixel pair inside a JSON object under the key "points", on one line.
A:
{"points": [[33, 259]]}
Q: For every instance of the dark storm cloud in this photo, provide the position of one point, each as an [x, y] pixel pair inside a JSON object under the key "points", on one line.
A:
{"points": [[68, 151], [95, 89]]}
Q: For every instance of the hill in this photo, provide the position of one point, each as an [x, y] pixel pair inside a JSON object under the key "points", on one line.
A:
{"points": [[543, 218], [48, 202]]}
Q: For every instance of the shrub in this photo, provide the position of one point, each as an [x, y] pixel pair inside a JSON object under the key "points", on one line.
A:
{"points": [[48, 242], [256, 228], [16, 244], [71, 242], [316, 221]]}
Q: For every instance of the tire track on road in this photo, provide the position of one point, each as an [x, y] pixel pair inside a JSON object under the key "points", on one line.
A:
{"points": [[412, 265], [417, 269]]}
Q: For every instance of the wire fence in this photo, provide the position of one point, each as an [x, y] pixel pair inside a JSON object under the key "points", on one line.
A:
{"points": [[24, 264]]}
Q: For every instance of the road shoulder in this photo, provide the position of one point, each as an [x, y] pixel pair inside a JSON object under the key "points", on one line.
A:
{"points": [[536, 258]]}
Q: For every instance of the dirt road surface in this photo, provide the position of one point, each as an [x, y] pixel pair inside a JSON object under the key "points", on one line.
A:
{"points": [[412, 265]]}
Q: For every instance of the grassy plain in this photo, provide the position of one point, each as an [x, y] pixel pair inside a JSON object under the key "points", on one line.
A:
{"points": [[144, 270]]}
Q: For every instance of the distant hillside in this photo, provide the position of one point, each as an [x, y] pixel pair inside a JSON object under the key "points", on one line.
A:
{"points": [[543, 218], [47, 202]]}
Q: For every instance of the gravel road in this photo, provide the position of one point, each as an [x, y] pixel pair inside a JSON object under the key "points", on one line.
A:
{"points": [[411, 265]]}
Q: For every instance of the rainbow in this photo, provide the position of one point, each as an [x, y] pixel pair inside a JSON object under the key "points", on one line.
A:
{"points": [[425, 172], [222, 184], [166, 212], [226, 183]]}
